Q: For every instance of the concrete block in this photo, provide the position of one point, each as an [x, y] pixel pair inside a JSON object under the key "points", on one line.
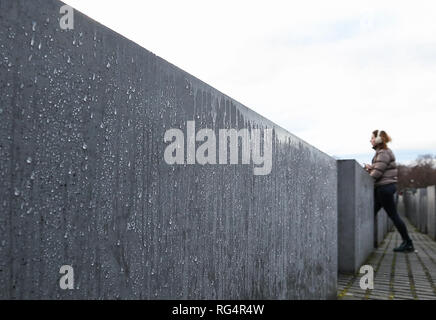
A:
{"points": [[410, 206], [422, 209], [401, 206], [431, 211], [355, 215], [84, 182], [380, 226], [415, 208]]}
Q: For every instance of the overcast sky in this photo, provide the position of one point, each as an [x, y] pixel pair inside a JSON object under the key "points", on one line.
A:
{"points": [[330, 72]]}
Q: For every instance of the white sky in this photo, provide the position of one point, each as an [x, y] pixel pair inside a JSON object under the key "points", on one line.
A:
{"points": [[330, 72]]}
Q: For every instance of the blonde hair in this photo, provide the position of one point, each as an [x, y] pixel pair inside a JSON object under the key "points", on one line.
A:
{"points": [[384, 137]]}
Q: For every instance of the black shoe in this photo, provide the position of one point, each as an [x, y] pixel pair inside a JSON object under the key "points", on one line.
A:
{"points": [[405, 246], [409, 246]]}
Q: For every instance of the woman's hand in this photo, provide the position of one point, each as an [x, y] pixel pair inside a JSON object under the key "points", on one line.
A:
{"points": [[368, 167]]}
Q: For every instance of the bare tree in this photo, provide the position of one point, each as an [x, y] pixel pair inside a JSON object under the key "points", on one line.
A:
{"points": [[418, 175]]}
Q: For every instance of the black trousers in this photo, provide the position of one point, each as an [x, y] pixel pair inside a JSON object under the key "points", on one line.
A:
{"points": [[384, 198]]}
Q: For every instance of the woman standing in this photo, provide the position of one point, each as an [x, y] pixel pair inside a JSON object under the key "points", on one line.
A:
{"points": [[384, 171]]}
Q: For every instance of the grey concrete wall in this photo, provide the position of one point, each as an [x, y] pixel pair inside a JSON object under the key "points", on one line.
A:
{"points": [[83, 180], [410, 205], [380, 226], [431, 211], [422, 209], [401, 208], [407, 204], [355, 215], [415, 208]]}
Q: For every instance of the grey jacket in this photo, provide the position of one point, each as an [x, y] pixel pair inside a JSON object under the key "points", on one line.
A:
{"points": [[384, 167]]}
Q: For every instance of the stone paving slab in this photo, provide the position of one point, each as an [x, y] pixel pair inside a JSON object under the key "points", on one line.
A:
{"points": [[397, 276]]}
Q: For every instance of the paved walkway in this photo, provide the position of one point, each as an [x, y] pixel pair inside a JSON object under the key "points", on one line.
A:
{"points": [[397, 276]]}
